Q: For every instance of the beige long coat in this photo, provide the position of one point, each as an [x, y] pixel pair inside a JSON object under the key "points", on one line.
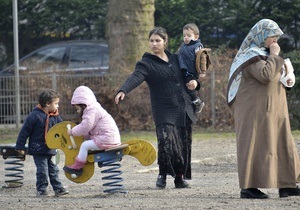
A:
{"points": [[266, 151]]}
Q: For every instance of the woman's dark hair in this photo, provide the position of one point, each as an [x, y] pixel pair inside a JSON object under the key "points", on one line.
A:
{"points": [[47, 96], [160, 31]]}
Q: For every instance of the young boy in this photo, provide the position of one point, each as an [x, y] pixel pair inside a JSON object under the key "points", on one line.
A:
{"points": [[193, 60], [39, 121]]}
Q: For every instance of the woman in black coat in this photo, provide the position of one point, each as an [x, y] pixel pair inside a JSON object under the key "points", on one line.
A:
{"points": [[172, 107]]}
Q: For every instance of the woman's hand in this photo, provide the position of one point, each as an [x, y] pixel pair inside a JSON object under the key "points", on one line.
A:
{"points": [[192, 84], [274, 48], [120, 95]]}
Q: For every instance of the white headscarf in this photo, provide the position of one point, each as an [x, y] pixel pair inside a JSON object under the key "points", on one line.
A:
{"points": [[252, 45]]}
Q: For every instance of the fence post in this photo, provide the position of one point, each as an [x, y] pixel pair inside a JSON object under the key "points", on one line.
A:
{"points": [[16, 63], [213, 91], [54, 82]]}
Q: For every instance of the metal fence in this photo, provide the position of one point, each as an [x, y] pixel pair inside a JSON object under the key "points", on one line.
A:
{"points": [[29, 89], [213, 92]]}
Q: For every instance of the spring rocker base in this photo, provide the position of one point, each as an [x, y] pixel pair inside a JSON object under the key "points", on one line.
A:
{"points": [[14, 171], [109, 159]]}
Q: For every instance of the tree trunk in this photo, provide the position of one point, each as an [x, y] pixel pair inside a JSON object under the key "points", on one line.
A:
{"points": [[127, 26]]}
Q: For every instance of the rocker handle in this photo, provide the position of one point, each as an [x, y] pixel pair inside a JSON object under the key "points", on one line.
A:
{"points": [[74, 146]]}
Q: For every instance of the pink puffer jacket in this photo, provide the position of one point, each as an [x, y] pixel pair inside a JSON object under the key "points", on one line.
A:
{"points": [[97, 124]]}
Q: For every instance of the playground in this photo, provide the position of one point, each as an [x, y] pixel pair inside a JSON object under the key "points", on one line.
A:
{"points": [[214, 185]]}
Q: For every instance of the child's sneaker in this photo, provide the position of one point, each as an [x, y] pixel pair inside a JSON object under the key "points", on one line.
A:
{"points": [[61, 191], [42, 193], [198, 105]]}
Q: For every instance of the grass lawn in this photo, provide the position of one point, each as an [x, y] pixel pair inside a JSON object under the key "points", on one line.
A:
{"points": [[9, 135]]}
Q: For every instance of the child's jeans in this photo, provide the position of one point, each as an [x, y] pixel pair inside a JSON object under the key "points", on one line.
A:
{"points": [[46, 168]]}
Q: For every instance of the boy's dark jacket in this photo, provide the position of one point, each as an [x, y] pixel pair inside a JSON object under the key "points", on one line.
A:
{"points": [[35, 128], [187, 58]]}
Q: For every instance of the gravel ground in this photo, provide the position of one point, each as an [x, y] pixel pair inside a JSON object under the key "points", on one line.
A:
{"points": [[214, 186]]}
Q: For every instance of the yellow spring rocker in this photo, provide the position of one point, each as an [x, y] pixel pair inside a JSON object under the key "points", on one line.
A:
{"points": [[109, 159]]}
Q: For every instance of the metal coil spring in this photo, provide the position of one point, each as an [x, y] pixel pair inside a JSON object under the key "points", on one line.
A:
{"points": [[115, 180], [15, 172]]}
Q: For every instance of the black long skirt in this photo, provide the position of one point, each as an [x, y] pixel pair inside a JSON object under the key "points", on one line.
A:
{"points": [[174, 150]]}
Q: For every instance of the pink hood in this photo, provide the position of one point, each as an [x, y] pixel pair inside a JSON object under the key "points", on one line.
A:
{"points": [[83, 95]]}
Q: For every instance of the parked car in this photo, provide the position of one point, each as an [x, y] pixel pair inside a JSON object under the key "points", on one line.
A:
{"points": [[69, 56], [74, 62]]}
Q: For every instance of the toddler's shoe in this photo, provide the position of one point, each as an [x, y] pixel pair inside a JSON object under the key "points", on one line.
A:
{"points": [[76, 168], [198, 105]]}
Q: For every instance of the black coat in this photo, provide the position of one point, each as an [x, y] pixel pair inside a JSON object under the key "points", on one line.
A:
{"points": [[170, 101]]}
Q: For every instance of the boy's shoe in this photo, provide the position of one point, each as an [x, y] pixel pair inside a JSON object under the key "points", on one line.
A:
{"points": [[161, 181], [42, 193], [60, 192], [198, 105]]}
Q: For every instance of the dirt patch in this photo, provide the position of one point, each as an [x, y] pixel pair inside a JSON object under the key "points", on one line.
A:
{"points": [[214, 185]]}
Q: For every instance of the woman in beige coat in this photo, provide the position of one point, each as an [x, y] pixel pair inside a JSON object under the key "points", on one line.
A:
{"points": [[266, 151]]}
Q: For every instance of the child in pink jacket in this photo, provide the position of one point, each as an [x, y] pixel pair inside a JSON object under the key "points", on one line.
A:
{"points": [[97, 126]]}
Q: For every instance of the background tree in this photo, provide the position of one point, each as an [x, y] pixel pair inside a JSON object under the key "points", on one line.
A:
{"points": [[221, 22], [128, 25], [228, 22]]}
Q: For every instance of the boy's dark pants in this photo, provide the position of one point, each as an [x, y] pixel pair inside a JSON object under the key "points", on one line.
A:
{"points": [[46, 168]]}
